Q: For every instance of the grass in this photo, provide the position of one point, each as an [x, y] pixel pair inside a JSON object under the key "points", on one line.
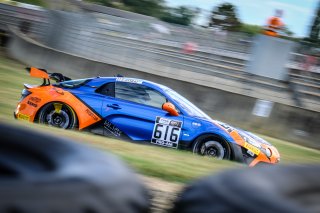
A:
{"points": [[40, 3], [168, 164]]}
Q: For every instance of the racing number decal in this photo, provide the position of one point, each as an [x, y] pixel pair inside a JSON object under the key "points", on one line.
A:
{"points": [[166, 132]]}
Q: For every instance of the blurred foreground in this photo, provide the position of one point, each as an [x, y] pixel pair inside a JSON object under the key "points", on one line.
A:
{"points": [[41, 172]]}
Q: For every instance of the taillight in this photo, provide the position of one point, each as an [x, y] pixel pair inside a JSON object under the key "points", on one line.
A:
{"points": [[24, 94]]}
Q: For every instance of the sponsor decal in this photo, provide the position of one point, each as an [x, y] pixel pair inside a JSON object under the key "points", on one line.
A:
{"points": [[163, 121], [23, 117], [166, 132], [226, 127], [91, 114], [252, 148], [34, 99], [32, 104], [195, 124], [112, 128], [129, 80], [250, 153]]}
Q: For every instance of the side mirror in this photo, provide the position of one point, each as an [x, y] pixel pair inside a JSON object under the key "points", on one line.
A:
{"points": [[169, 107]]}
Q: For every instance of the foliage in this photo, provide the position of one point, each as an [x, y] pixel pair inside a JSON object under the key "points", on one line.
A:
{"points": [[181, 15], [315, 28], [153, 8], [107, 3], [225, 16], [250, 29], [34, 2], [146, 7], [287, 31]]}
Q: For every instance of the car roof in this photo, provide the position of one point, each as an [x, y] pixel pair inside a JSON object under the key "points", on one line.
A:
{"points": [[98, 81]]}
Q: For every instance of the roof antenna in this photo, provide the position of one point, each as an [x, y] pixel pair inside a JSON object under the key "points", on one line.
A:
{"points": [[119, 75]]}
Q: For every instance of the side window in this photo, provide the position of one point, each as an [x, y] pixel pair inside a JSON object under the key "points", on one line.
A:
{"points": [[106, 89], [139, 93]]}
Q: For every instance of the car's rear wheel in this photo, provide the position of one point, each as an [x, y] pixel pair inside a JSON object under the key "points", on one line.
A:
{"points": [[212, 146], [59, 115]]}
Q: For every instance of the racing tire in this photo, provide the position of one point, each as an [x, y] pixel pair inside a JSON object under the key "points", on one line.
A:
{"points": [[42, 173], [59, 115], [212, 146], [294, 188]]}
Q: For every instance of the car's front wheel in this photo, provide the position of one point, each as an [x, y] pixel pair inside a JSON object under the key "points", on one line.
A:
{"points": [[212, 146], [59, 115]]}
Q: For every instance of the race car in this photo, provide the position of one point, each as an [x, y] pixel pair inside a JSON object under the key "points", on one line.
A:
{"points": [[138, 110]]}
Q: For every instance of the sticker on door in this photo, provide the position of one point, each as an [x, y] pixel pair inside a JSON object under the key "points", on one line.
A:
{"points": [[166, 132]]}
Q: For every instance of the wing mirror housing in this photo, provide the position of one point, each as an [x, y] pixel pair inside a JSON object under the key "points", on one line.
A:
{"points": [[170, 108]]}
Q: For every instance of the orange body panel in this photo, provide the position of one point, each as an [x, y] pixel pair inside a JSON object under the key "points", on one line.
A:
{"points": [[28, 108], [261, 157]]}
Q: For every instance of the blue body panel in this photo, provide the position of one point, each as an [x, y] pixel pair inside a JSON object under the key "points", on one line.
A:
{"points": [[137, 121]]}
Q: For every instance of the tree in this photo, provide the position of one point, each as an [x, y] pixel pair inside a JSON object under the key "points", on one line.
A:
{"points": [[225, 16], [146, 7], [34, 2], [287, 31], [315, 28], [153, 8], [180, 15], [107, 3]]}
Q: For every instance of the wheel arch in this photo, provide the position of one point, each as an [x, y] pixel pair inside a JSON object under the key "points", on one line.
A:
{"points": [[216, 137], [36, 118]]}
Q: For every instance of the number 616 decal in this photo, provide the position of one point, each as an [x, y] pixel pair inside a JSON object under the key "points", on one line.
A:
{"points": [[166, 132]]}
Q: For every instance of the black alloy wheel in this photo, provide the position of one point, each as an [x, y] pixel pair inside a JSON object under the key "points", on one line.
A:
{"points": [[58, 115]]}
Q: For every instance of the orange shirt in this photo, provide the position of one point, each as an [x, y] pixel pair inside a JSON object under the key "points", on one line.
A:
{"points": [[275, 22]]}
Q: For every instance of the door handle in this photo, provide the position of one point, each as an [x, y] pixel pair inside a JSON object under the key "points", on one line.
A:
{"points": [[114, 106]]}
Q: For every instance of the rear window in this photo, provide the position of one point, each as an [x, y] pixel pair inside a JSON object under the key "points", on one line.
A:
{"points": [[73, 83]]}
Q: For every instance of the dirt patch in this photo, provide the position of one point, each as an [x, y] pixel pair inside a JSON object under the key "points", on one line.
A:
{"points": [[163, 193]]}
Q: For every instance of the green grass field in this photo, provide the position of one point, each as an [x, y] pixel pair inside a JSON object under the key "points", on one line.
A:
{"points": [[168, 164]]}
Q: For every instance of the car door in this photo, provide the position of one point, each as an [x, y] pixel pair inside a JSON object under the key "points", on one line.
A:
{"points": [[135, 110]]}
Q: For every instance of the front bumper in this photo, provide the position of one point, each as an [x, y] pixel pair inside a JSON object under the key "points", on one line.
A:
{"points": [[262, 158]]}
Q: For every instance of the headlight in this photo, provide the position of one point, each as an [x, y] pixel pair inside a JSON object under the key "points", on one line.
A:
{"points": [[249, 140], [268, 152]]}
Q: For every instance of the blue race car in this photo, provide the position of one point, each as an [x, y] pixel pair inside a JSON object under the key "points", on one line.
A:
{"points": [[138, 110]]}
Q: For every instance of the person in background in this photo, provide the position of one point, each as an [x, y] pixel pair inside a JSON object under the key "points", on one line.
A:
{"points": [[274, 24]]}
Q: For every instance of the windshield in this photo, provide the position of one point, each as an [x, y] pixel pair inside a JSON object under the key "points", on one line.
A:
{"points": [[73, 83], [186, 105]]}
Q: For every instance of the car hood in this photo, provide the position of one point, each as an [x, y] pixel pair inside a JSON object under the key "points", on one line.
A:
{"points": [[243, 133]]}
